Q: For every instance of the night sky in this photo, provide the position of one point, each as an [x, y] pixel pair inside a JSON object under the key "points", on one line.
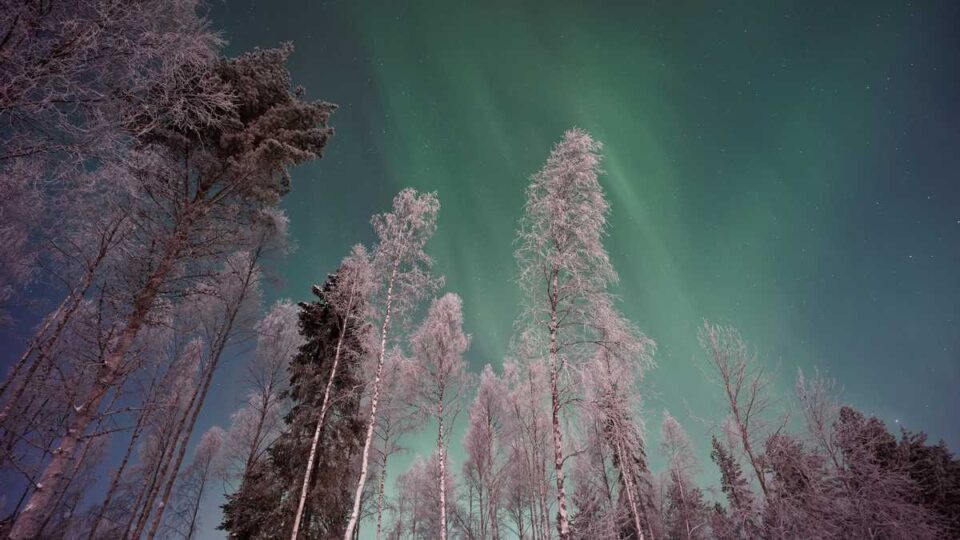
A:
{"points": [[789, 169]]}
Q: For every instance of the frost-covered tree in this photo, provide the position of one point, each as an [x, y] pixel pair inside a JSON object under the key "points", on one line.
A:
{"points": [[254, 426], [418, 511], [438, 346], [611, 389], [527, 435], [196, 194], [194, 483], [744, 382], [486, 454], [400, 413], [685, 512], [73, 78], [223, 306], [402, 272], [564, 273]]}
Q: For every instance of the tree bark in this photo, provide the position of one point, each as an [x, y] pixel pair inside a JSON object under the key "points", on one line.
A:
{"points": [[563, 521], [380, 492], [372, 420], [443, 469]]}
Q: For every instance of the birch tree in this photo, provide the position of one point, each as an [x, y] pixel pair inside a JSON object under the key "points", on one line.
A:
{"points": [[564, 273], [438, 346], [611, 390], [685, 512], [194, 484], [484, 443], [400, 413], [402, 270], [256, 425]]}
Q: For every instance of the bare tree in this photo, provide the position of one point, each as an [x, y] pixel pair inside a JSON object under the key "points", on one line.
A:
{"points": [[403, 271], [744, 383]]}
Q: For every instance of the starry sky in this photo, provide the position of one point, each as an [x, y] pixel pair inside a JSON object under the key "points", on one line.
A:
{"points": [[786, 167]]}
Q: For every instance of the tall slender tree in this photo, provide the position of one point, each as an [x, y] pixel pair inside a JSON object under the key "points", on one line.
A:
{"points": [[438, 346], [402, 270], [483, 468], [685, 511], [564, 273]]}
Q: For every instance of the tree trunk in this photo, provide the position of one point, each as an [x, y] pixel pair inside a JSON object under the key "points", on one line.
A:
{"points": [[626, 471], [219, 344], [372, 420], [563, 522], [28, 523], [442, 472], [380, 490], [316, 435], [61, 316], [115, 481]]}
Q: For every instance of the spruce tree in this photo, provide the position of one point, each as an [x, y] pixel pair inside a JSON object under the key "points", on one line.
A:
{"points": [[266, 502]]}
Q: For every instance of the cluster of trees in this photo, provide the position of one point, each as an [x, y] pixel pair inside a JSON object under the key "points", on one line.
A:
{"points": [[554, 444], [140, 176], [173, 159]]}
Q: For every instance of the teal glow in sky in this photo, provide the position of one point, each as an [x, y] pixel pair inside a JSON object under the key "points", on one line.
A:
{"points": [[786, 167]]}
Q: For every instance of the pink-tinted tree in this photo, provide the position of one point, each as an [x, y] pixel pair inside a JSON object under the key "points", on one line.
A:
{"points": [[486, 459], [685, 513], [402, 271], [196, 189], [744, 382], [418, 514], [194, 483], [400, 413], [565, 273], [255, 425], [438, 346]]}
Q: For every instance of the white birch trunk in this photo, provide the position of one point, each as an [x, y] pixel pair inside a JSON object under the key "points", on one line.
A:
{"points": [[316, 438]]}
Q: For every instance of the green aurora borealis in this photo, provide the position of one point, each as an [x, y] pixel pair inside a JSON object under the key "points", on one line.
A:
{"points": [[786, 167]]}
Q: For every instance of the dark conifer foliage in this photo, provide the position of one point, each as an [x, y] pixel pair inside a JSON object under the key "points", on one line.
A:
{"points": [[265, 504]]}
